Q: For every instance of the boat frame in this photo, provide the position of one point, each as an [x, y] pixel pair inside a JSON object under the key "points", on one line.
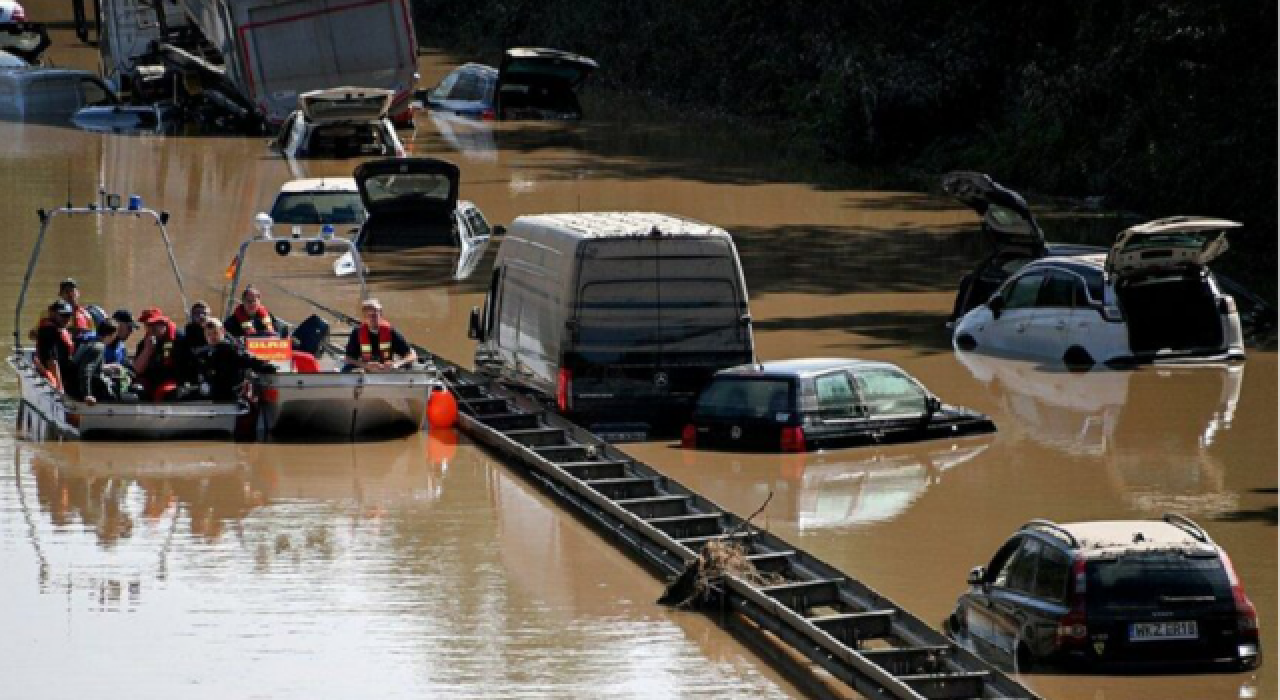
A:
{"points": [[67, 418], [334, 405]]}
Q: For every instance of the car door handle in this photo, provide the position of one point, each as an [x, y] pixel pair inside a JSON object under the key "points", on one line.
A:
{"points": [[1060, 325], [1021, 327]]}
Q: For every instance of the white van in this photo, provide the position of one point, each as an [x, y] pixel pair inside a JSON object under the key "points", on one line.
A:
{"points": [[615, 315]]}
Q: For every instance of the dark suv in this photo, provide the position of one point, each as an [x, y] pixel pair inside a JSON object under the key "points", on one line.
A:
{"points": [[1109, 592], [808, 404]]}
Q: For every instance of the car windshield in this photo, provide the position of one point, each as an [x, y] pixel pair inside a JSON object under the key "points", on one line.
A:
{"points": [[746, 397], [1148, 579], [318, 208], [887, 391]]}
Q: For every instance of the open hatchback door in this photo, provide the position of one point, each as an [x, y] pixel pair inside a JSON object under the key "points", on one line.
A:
{"points": [[1005, 214], [345, 104], [1169, 244], [410, 202], [540, 83]]}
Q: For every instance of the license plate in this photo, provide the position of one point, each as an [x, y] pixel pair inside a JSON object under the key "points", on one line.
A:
{"points": [[1149, 631]]}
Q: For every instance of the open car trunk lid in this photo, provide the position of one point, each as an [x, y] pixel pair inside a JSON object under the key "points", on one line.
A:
{"points": [[1167, 244], [1005, 214], [345, 104], [542, 81], [410, 201]]}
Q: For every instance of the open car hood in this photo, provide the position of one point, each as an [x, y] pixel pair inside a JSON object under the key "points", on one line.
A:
{"points": [[422, 186], [26, 40], [345, 104], [1004, 213], [528, 65], [1163, 244]]}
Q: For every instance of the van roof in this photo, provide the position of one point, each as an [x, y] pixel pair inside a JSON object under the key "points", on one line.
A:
{"points": [[614, 224]]}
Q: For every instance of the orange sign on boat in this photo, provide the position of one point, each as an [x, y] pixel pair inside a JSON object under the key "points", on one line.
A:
{"points": [[278, 350]]}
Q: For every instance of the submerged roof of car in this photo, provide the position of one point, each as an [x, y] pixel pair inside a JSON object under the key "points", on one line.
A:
{"points": [[802, 367], [1112, 536], [614, 224], [320, 184]]}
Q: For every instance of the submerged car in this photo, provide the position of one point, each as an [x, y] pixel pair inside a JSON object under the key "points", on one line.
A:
{"points": [[531, 83], [344, 122], [810, 404], [413, 202], [1152, 298], [312, 203], [50, 95], [1109, 592], [1015, 238]]}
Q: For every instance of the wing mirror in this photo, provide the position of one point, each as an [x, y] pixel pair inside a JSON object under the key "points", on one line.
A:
{"points": [[996, 304], [473, 327], [499, 230], [977, 576], [932, 405]]}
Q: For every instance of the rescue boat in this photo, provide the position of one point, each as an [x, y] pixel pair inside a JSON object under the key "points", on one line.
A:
{"points": [[62, 417], [310, 396]]}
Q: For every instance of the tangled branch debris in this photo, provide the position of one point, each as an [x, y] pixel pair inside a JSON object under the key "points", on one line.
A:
{"points": [[703, 579]]}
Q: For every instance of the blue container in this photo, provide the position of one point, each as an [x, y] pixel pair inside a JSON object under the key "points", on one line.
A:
{"points": [[135, 202], [326, 231]]}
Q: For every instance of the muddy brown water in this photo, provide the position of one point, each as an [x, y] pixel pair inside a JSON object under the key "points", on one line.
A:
{"points": [[425, 566]]}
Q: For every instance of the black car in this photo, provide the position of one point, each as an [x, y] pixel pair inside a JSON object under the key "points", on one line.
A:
{"points": [[1109, 593], [809, 404], [1015, 238]]}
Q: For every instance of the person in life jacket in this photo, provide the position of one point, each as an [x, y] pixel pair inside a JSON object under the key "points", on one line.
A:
{"points": [[250, 317], [222, 365], [154, 359], [54, 347], [374, 346], [82, 323]]}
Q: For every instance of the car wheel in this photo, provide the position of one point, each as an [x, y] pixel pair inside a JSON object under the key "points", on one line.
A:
{"points": [[1077, 357]]}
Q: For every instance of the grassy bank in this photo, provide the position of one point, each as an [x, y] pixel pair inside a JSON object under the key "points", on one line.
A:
{"points": [[1156, 107]]}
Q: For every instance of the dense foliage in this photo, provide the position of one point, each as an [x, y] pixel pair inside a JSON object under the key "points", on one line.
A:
{"points": [[1165, 107]]}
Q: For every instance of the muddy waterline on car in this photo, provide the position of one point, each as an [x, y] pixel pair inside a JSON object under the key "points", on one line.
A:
{"points": [[426, 566]]}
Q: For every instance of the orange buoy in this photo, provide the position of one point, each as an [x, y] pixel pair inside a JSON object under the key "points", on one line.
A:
{"points": [[442, 409]]}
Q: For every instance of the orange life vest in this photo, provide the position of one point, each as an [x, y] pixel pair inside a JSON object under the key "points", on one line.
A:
{"points": [[384, 342], [261, 317], [81, 321]]}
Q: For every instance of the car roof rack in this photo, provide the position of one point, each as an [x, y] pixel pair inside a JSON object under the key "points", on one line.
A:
{"points": [[1187, 525], [1054, 528]]}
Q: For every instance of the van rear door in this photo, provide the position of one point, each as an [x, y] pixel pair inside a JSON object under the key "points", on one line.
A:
{"points": [[655, 318]]}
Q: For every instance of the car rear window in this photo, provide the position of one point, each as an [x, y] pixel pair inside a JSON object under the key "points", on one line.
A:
{"points": [[682, 314], [318, 208], [740, 397], [1154, 579]]}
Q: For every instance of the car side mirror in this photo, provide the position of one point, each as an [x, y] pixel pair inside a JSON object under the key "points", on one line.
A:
{"points": [[977, 576], [996, 304], [473, 328], [499, 230], [932, 404], [744, 320]]}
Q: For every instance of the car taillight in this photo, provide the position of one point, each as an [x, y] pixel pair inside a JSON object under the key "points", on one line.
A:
{"points": [[792, 438], [1246, 614], [564, 386], [1073, 628], [689, 437], [1227, 304], [489, 115]]}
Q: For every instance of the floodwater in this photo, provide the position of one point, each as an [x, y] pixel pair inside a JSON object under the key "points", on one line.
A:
{"points": [[426, 567]]}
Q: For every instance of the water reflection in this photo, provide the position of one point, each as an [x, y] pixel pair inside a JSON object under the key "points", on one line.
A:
{"points": [[1155, 452], [841, 490]]}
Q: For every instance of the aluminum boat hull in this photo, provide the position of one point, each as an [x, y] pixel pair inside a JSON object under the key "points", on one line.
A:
{"points": [[57, 416], [346, 405]]}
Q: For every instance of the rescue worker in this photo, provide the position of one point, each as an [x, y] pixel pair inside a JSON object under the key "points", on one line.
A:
{"points": [[190, 340], [222, 364], [251, 318], [374, 345], [90, 383], [54, 346], [116, 352], [154, 359], [82, 324]]}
